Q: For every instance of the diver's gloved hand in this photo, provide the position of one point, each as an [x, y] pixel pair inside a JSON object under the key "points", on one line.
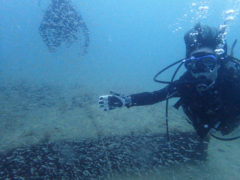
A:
{"points": [[114, 100]]}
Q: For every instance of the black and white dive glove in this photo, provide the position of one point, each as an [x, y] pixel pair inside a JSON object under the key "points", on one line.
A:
{"points": [[114, 100]]}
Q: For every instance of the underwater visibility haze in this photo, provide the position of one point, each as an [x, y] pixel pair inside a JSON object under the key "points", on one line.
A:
{"points": [[58, 56]]}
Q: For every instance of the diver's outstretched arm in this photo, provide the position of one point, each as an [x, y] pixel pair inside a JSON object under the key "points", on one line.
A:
{"points": [[114, 100]]}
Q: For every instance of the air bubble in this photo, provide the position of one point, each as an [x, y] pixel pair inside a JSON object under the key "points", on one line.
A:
{"points": [[219, 51], [230, 11], [229, 18], [203, 8]]}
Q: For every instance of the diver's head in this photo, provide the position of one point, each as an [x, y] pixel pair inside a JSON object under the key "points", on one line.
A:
{"points": [[202, 36], [202, 61], [203, 64]]}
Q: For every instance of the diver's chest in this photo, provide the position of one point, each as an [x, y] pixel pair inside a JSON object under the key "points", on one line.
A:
{"points": [[212, 102]]}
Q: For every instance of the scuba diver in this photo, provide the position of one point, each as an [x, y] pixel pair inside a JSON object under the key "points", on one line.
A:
{"points": [[208, 91]]}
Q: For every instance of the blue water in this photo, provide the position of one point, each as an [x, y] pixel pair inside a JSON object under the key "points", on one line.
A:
{"points": [[130, 41], [133, 39]]}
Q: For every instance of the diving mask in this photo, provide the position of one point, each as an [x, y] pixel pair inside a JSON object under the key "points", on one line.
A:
{"points": [[202, 64]]}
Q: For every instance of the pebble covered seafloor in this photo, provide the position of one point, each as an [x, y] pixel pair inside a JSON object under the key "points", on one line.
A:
{"points": [[98, 158]]}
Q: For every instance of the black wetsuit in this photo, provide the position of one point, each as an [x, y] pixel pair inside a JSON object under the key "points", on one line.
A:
{"points": [[218, 107]]}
